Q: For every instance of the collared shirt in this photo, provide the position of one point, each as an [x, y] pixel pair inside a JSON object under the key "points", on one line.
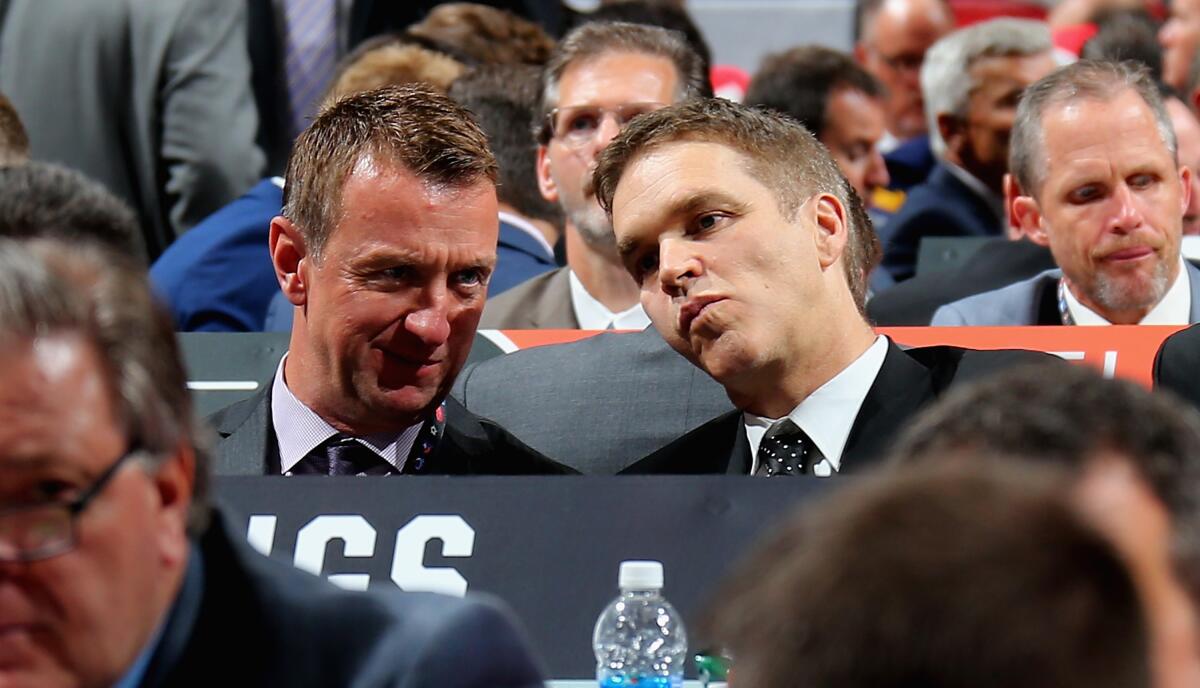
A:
{"points": [[299, 430], [1175, 308], [994, 201], [593, 315], [527, 227], [828, 414]]}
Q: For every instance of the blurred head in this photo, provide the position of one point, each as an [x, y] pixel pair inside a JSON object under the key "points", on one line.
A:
{"points": [[1094, 151], [600, 77], [389, 61], [836, 99], [721, 213], [40, 199], [503, 99], [1187, 137], [476, 34], [669, 15], [979, 575], [14, 142], [385, 245], [96, 410], [1179, 36], [972, 80], [891, 39], [1126, 35]]}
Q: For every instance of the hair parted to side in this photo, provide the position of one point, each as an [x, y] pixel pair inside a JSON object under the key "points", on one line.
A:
{"points": [[1093, 80], [595, 39], [946, 81], [779, 152], [1069, 415], [799, 82], [978, 575], [49, 286], [14, 141], [412, 126]]}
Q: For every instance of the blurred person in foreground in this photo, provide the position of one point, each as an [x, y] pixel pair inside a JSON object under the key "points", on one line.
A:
{"points": [[113, 569]]}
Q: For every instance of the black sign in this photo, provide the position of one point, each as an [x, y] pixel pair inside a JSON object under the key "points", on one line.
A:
{"points": [[549, 546]]}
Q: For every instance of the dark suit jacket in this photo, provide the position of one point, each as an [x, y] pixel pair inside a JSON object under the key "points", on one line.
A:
{"points": [[543, 302], [469, 446], [908, 381], [519, 257], [941, 206], [1177, 365], [998, 264], [909, 163], [218, 277], [243, 619], [598, 404]]}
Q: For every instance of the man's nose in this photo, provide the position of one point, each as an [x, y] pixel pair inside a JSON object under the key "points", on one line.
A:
{"points": [[430, 321], [678, 266], [877, 174], [1126, 215]]}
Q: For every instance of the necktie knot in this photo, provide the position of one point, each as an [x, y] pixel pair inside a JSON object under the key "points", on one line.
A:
{"points": [[343, 455], [785, 451]]}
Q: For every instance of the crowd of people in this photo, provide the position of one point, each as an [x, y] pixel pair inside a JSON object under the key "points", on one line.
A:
{"points": [[1008, 518]]}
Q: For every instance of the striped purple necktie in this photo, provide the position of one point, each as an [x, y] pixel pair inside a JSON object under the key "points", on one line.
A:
{"points": [[312, 47]]}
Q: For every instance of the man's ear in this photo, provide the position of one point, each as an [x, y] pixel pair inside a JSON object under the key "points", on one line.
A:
{"points": [[1185, 192], [1028, 217], [290, 257], [545, 182], [952, 131], [175, 483], [832, 229]]}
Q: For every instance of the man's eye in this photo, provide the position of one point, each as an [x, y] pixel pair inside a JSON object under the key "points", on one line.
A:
{"points": [[582, 122], [1141, 181], [470, 278], [708, 221], [1085, 194], [398, 273], [646, 266], [51, 489]]}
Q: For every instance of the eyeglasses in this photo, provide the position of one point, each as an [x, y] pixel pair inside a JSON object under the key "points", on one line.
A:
{"points": [[903, 62], [39, 531], [577, 125]]}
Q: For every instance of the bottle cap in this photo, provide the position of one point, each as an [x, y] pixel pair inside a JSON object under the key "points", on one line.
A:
{"points": [[640, 575]]}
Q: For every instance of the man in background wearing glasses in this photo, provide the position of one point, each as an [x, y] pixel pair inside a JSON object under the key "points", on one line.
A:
{"points": [[113, 572], [600, 76]]}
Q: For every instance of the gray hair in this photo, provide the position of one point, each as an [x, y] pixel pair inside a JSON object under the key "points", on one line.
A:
{"points": [[946, 81], [1085, 80], [48, 286], [593, 39]]}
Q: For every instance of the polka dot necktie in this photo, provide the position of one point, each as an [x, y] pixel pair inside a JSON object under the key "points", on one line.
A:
{"points": [[786, 451]]}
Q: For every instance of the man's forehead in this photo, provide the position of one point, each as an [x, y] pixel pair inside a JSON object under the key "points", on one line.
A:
{"points": [[636, 70]]}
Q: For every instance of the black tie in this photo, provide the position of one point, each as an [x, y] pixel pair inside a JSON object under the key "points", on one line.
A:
{"points": [[342, 455], [786, 451]]}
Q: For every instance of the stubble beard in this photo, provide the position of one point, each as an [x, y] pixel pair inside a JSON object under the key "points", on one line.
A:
{"points": [[1114, 295]]}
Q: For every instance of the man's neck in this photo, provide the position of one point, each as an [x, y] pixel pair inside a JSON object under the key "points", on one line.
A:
{"points": [[601, 273]]}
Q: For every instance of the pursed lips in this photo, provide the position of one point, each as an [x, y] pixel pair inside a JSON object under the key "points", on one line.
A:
{"points": [[692, 308]]}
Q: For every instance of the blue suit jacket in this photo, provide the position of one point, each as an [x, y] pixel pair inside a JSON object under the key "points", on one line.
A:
{"points": [[1030, 302], [243, 619], [909, 163], [941, 206], [218, 277]]}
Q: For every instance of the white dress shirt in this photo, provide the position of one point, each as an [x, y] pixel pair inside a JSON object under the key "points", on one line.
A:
{"points": [[299, 430], [1175, 308], [827, 415], [593, 315]]}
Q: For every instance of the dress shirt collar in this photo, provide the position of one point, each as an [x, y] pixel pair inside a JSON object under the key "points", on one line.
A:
{"points": [[1175, 308], [299, 430], [593, 315], [828, 414], [996, 203], [527, 227]]}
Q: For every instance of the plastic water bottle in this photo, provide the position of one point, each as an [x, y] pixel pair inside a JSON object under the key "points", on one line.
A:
{"points": [[639, 638]]}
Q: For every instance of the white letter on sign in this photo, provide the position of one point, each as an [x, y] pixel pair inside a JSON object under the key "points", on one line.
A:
{"points": [[359, 538], [408, 566]]}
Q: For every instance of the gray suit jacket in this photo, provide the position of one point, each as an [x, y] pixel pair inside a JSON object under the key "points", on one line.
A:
{"points": [[150, 97], [541, 303], [596, 405], [1027, 303]]}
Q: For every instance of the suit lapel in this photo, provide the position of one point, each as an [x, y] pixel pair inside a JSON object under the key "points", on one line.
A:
{"points": [[554, 304], [248, 445], [902, 387], [718, 446], [1194, 282]]}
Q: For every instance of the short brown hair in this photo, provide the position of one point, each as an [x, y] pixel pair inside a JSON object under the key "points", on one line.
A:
{"points": [[779, 152], [478, 34], [389, 61], [950, 575], [411, 125], [14, 141], [595, 39], [800, 82]]}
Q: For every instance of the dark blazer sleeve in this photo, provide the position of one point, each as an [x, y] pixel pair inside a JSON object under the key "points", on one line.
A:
{"points": [[1177, 365]]}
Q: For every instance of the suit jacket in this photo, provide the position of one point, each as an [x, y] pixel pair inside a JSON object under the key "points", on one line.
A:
{"points": [[243, 619], [219, 277], [596, 405], [469, 445], [909, 163], [519, 257], [1177, 365], [940, 206], [908, 381], [1031, 302], [150, 97], [1000, 263], [543, 302]]}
